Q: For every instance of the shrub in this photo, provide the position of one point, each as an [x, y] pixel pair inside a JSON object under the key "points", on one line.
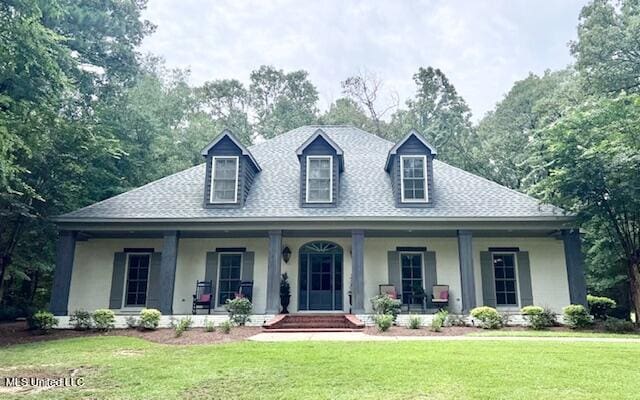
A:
{"points": [[576, 316], [538, 317], [225, 327], [183, 325], [488, 316], [384, 304], [42, 321], [438, 320], [9, 313], [239, 310], [104, 319], [456, 320], [149, 318], [599, 307], [414, 322], [383, 321], [209, 326], [81, 320], [617, 325], [132, 322]]}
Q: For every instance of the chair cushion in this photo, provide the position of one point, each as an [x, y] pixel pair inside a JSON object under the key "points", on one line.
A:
{"points": [[444, 295], [205, 298]]}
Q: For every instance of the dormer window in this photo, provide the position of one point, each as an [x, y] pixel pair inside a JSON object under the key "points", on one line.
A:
{"points": [[319, 179], [224, 180], [413, 173]]}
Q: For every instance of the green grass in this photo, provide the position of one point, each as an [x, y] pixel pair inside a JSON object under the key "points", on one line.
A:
{"points": [[125, 367], [532, 333]]}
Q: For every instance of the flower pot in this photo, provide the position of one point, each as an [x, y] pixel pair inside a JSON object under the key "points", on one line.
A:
{"points": [[284, 301]]}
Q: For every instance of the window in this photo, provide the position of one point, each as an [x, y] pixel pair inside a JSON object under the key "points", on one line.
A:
{"points": [[411, 265], [319, 179], [504, 267], [137, 279], [230, 266], [413, 171], [224, 180]]}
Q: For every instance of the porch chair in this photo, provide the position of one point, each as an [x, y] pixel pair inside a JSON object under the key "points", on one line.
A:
{"points": [[440, 296], [203, 299], [246, 290], [389, 290]]}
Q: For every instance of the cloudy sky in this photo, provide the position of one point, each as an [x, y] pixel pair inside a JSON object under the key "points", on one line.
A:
{"points": [[482, 46]]}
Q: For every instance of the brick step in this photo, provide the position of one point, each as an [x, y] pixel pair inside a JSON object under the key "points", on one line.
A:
{"points": [[291, 323], [315, 330]]}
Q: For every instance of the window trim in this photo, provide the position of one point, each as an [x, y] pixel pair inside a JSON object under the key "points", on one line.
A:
{"points": [[426, 183], [241, 254], [213, 177], [515, 276], [309, 158], [422, 269], [124, 305]]}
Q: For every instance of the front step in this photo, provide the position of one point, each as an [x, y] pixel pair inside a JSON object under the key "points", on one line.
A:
{"points": [[314, 323]]}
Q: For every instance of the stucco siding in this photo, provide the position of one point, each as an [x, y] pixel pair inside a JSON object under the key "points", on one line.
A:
{"points": [[548, 271]]}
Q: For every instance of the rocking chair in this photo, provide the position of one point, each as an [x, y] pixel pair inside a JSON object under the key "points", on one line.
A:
{"points": [[203, 299]]}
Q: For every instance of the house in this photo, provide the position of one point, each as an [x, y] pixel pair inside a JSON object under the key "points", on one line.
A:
{"points": [[340, 210]]}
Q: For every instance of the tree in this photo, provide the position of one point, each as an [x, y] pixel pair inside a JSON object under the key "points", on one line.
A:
{"points": [[594, 157], [365, 88], [441, 115], [347, 111], [608, 47], [227, 102], [281, 101]]}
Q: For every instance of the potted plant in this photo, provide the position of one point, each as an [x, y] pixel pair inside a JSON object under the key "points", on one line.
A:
{"points": [[419, 294], [285, 293]]}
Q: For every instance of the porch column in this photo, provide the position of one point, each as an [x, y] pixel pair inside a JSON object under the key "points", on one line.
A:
{"points": [[357, 272], [467, 280], [168, 271], [574, 261], [65, 250], [274, 267]]}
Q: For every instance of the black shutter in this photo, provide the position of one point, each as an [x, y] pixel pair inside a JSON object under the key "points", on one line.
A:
{"points": [[117, 280], [154, 291], [488, 283]]}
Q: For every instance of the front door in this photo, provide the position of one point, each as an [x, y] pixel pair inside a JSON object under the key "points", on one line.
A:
{"points": [[320, 277]]}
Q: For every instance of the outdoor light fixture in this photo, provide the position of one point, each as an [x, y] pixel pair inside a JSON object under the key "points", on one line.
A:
{"points": [[286, 254]]}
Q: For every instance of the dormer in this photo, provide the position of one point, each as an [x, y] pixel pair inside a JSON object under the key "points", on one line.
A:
{"points": [[229, 173], [321, 162], [410, 166]]}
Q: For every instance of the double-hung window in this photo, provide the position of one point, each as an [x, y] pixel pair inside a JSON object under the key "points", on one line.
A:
{"points": [[411, 267], [319, 179], [230, 268], [224, 180], [504, 269], [413, 171], [137, 280]]}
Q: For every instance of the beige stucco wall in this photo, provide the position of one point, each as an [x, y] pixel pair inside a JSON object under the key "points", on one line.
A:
{"points": [[548, 271], [93, 265]]}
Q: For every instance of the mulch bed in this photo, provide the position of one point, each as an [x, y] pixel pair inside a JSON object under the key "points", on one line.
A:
{"points": [[16, 333]]}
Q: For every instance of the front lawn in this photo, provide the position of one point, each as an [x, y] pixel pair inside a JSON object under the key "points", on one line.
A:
{"points": [[552, 333], [127, 367]]}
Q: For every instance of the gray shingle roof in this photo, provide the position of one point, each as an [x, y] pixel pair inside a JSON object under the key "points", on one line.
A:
{"points": [[365, 189]]}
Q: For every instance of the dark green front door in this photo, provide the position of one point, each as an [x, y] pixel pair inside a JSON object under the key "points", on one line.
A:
{"points": [[320, 277]]}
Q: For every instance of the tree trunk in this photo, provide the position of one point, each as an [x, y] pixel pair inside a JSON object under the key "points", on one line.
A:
{"points": [[634, 283]]}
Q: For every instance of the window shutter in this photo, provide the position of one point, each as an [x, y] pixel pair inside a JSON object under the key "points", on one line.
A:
{"points": [[524, 279], [211, 272], [117, 280], [488, 284], [431, 277], [154, 291], [395, 277], [247, 266]]}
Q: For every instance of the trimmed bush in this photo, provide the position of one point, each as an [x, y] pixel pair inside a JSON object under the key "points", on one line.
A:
{"points": [[617, 325], [42, 321], [104, 319], [384, 304], [576, 316], [599, 307], [183, 325], [456, 320], [439, 320], [538, 318], [80, 320], [132, 322], [489, 317], [239, 310], [383, 321], [149, 319], [225, 327], [414, 322]]}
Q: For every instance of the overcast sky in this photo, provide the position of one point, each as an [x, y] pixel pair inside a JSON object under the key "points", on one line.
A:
{"points": [[482, 46]]}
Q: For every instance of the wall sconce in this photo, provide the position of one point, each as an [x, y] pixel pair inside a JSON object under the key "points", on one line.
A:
{"points": [[286, 254]]}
